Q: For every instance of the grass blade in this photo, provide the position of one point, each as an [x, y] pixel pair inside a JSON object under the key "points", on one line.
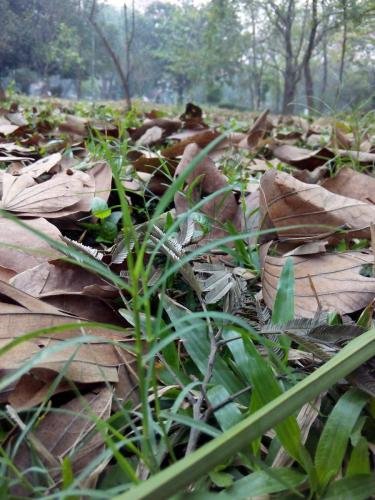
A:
{"points": [[336, 433], [283, 308], [171, 480], [358, 487]]}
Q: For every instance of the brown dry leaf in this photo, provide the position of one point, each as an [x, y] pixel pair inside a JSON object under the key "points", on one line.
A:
{"points": [[168, 127], [7, 127], [339, 139], [33, 388], [48, 164], [257, 132], [74, 125], [286, 201], [150, 163], [76, 437], [336, 278], [352, 184], [304, 158], [153, 135], [94, 361], [70, 288], [20, 249], [102, 175], [66, 193], [222, 209], [202, 139]]}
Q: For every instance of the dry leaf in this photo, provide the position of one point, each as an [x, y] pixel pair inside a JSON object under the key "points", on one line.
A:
{"points": [[94, 361], [76, 437], [304, 158], [202, 139], [336, 278], [20, 249], [259, 129], [66, 193], [286, 201], [223, 208], [353, 184], [70, 288]]}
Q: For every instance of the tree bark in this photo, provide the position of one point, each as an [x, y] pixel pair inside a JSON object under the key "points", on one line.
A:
{"points": [[124, 76], [343, 45]]}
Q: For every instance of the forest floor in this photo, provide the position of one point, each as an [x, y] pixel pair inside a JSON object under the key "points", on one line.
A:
{"points": [[186, 303]]}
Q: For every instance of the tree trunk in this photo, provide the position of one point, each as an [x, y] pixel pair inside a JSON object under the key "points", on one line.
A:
{"points": [[3, 95], [78, 85], [124, 77], [325, 74], [180, 92], [289, 89], [343, 45], [309, 86]]}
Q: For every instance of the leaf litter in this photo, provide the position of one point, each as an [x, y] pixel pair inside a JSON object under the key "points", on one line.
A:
{"points": [[315, 204]]}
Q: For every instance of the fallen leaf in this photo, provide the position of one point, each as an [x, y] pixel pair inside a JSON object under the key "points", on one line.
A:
{"points": [[352, 184], [223, 208], [20, 249], [259, 129], [168, 126], [304, 158], [335, 276], [77, 437], [87, 362], [286, 201], [201, 139], [66, 193]]}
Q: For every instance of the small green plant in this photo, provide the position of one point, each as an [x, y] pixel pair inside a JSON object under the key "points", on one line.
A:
{"points": [[106, 228]]}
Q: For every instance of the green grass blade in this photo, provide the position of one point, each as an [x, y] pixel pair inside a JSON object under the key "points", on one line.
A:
{"points": [[171, 480], [334, 439], [358, 487], [359, 462], [266, 388], [283, 308], [261, 483]]}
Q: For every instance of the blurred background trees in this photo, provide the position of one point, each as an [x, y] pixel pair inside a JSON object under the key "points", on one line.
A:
{"points": [[288, 55]]}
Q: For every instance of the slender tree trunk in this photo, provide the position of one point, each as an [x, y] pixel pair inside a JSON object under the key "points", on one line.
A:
{"points": [[2, 93], [343, 45], [289, 89], [309, 86], [180, 92], [325, 74], [78, 85], [123, 76]]}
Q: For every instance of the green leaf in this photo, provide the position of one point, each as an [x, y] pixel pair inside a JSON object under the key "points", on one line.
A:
{"points": [[99, 208], [283, 308], [262, 483], [227, 415], [265, 387], [194, 335], [334, 439], [221, 479], [359, 462], [182, 473], [358, 487], [107, 232]]}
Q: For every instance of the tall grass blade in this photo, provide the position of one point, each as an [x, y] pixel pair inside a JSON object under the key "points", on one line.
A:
{"points": [[336, 433], [171, 480]]}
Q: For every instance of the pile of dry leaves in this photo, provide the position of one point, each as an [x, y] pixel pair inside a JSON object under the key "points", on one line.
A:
{"points": [[311, 185]]}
